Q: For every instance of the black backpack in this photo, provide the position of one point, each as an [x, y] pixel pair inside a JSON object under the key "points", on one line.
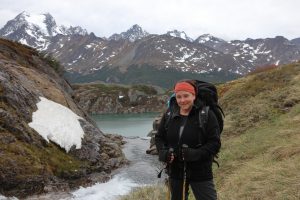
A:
{"points": [[207, 96]]}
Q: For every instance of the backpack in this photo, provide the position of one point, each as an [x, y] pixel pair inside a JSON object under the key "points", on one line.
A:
{"points": [[206, 94]]}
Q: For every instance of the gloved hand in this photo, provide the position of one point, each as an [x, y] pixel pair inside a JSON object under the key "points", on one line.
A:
{"points": [[190, 154], [165, 155]]}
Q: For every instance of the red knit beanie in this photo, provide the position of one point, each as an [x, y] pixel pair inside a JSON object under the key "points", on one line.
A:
{"points": [[184, 86]]}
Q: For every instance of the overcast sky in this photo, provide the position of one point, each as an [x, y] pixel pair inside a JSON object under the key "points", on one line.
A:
{"points": [[227, 19]]}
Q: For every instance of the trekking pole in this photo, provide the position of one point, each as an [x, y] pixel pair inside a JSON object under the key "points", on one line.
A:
{"points": [[184, 146], [168, 196]]}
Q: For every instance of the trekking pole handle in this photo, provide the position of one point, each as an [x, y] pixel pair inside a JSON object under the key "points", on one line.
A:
{"points": [[183, 147]]}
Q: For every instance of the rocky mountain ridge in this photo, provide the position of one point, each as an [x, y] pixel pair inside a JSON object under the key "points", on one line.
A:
{"points": [[28, 163], [120, 58]]}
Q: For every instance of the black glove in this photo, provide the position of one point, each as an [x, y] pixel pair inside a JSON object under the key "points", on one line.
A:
{"points": [[164, 155], [190, 154]]}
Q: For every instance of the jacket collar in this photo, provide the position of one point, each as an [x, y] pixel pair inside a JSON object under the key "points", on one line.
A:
{"points": [[176, 110]]}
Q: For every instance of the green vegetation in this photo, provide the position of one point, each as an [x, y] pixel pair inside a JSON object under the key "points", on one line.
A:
{"points": [[264, 96], [146, 89], [52, 62], [262, 163], [260, 152], [36, 160], [111, 88], [114, 88]]}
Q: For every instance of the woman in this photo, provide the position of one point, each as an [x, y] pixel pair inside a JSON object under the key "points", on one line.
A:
{"points": [[187, 148]]}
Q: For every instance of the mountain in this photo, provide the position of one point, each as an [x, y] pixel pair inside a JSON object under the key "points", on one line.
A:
{"points": [[211, 41], [296, 41], [132, 34], [255, 52], [179, 34], [136, 56], [36, 30]]}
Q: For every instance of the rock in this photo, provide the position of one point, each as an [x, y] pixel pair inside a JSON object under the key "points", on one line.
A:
{"points": [[7, 139], [152, 149], [29, 164]]}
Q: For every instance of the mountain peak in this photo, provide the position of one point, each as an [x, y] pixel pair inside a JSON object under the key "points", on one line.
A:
{"points": [[208, 38], [136, 27], [180, 34], [132, 34], [23, 14], [36, 29]]}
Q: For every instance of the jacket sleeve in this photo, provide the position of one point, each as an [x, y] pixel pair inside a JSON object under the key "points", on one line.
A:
{"points": [[160, 136], [212, 144]]}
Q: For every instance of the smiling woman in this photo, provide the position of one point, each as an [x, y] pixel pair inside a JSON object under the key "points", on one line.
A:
{"points": [[186, 148]]}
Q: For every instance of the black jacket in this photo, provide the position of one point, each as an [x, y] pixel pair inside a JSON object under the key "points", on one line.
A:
{"points": [[208, 143]]}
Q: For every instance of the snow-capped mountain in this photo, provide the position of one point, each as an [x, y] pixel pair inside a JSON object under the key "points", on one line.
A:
{"points": [[132, 34], [125, 57], [179, 34], [296, 41], [36, 30], [211, 41]]}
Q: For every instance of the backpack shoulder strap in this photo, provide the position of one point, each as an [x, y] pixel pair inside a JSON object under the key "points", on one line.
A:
{"points": [[168, 116], [203, 117]]}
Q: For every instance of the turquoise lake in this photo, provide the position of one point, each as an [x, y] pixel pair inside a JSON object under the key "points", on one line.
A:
{"points": [[126, 124]]}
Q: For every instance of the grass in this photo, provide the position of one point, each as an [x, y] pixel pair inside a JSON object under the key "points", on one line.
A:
{"points": [[264, 96], [147, 193], [263, 162]]}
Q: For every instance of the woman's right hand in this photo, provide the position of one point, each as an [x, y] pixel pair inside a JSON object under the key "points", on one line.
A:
{"points": [[166, 155]]}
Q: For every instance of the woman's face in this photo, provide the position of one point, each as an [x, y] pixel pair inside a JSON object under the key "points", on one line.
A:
{"points": [[185, 100]]}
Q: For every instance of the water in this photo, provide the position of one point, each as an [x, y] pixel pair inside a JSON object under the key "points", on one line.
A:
{"points": [[142, 170], [126, 124]]}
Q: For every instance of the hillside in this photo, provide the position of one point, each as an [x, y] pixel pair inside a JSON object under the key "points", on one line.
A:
{"points": [[100, 98], [260, 152], [30, 162]]}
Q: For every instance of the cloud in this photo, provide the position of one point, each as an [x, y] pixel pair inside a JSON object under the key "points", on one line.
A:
{"points": [[231, 19]]}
